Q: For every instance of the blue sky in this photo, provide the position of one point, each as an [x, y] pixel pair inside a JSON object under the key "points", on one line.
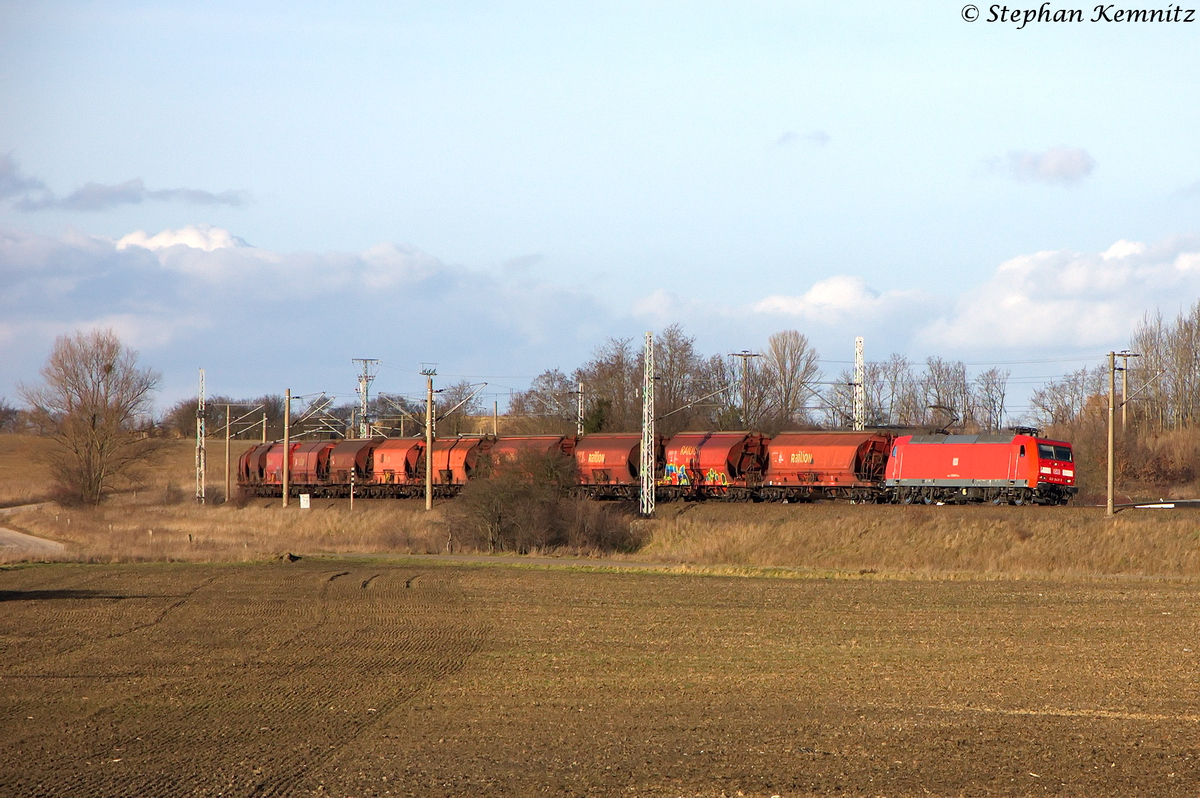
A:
{"points": [[497, 187]]}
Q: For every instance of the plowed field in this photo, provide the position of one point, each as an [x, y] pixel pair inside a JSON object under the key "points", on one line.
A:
{"points": [[361, 678]]}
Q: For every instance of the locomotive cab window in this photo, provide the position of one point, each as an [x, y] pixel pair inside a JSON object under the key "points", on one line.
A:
{"points": [[1022, 450], [1046, 451], [1062, 453]]}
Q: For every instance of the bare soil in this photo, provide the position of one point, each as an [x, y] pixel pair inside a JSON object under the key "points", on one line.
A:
{"points": [[360, 678]]}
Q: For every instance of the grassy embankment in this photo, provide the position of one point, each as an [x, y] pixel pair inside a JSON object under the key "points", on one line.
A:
{"points": [[158, 521]]}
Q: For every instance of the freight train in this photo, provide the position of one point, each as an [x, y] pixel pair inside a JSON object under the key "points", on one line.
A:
{"points": [[1017, 467]]}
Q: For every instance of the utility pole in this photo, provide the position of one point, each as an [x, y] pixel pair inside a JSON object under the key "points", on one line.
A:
{"points": [[1125, 355], [201, 454], [287, 444], [496, 417], [364, 387], [227, 426], [579, 412], [649, 463], [745, 355], [860, 390], [429, 375], [1112, 412], [264, 423]]}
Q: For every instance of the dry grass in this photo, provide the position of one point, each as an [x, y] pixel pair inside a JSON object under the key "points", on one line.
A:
{"points": [[1015, 541], [22, 479], [142, 530], [25, 478], [156, 519]]}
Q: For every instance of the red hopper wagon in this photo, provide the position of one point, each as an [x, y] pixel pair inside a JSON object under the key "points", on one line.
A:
{"points": [[701, 465], [512, 448], [610, 465], [803, 466], [397, 468], [454, 460], [352, 457]]}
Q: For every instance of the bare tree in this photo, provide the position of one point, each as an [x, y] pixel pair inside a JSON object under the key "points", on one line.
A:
{"points": [[454, 407], [790, 366], [720, 380], [95, 405], [990, 389], [753, 392], [1166, 378], [548, 406], [901, 393], [1063, 401], [946, 390], [9, 416], [614, 384], [678, 367]]}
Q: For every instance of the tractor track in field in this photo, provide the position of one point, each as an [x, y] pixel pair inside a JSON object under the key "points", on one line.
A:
{"points": [[292, 679], [374, 623]]}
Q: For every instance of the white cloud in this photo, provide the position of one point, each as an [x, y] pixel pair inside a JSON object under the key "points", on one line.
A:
{"points": [[1062, 165], [201, 236], [391, 265], [1123, 248], [828, 299], [101, 197], [13, 182], [199, 296], [1069, 299]]}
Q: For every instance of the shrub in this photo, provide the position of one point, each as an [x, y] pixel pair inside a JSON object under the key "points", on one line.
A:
{"points": [[525, 504]]}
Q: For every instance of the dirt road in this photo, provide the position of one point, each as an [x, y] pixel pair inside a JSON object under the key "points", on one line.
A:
{"points": [[16, 545], [359, 678]]}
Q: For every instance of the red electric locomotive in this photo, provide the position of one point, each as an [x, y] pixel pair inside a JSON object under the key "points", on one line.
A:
{"points": [[1003, 469]]}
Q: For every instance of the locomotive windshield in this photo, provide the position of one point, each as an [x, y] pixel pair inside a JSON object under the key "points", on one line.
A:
{"points": [[1048, 451]]}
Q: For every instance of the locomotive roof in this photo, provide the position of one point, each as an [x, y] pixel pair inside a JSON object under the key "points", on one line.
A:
{"points": [[1002, 438]]}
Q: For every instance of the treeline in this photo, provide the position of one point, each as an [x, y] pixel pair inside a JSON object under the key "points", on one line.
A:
{"points": [[780, 387], [1163, 380], [1159, 444]]}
